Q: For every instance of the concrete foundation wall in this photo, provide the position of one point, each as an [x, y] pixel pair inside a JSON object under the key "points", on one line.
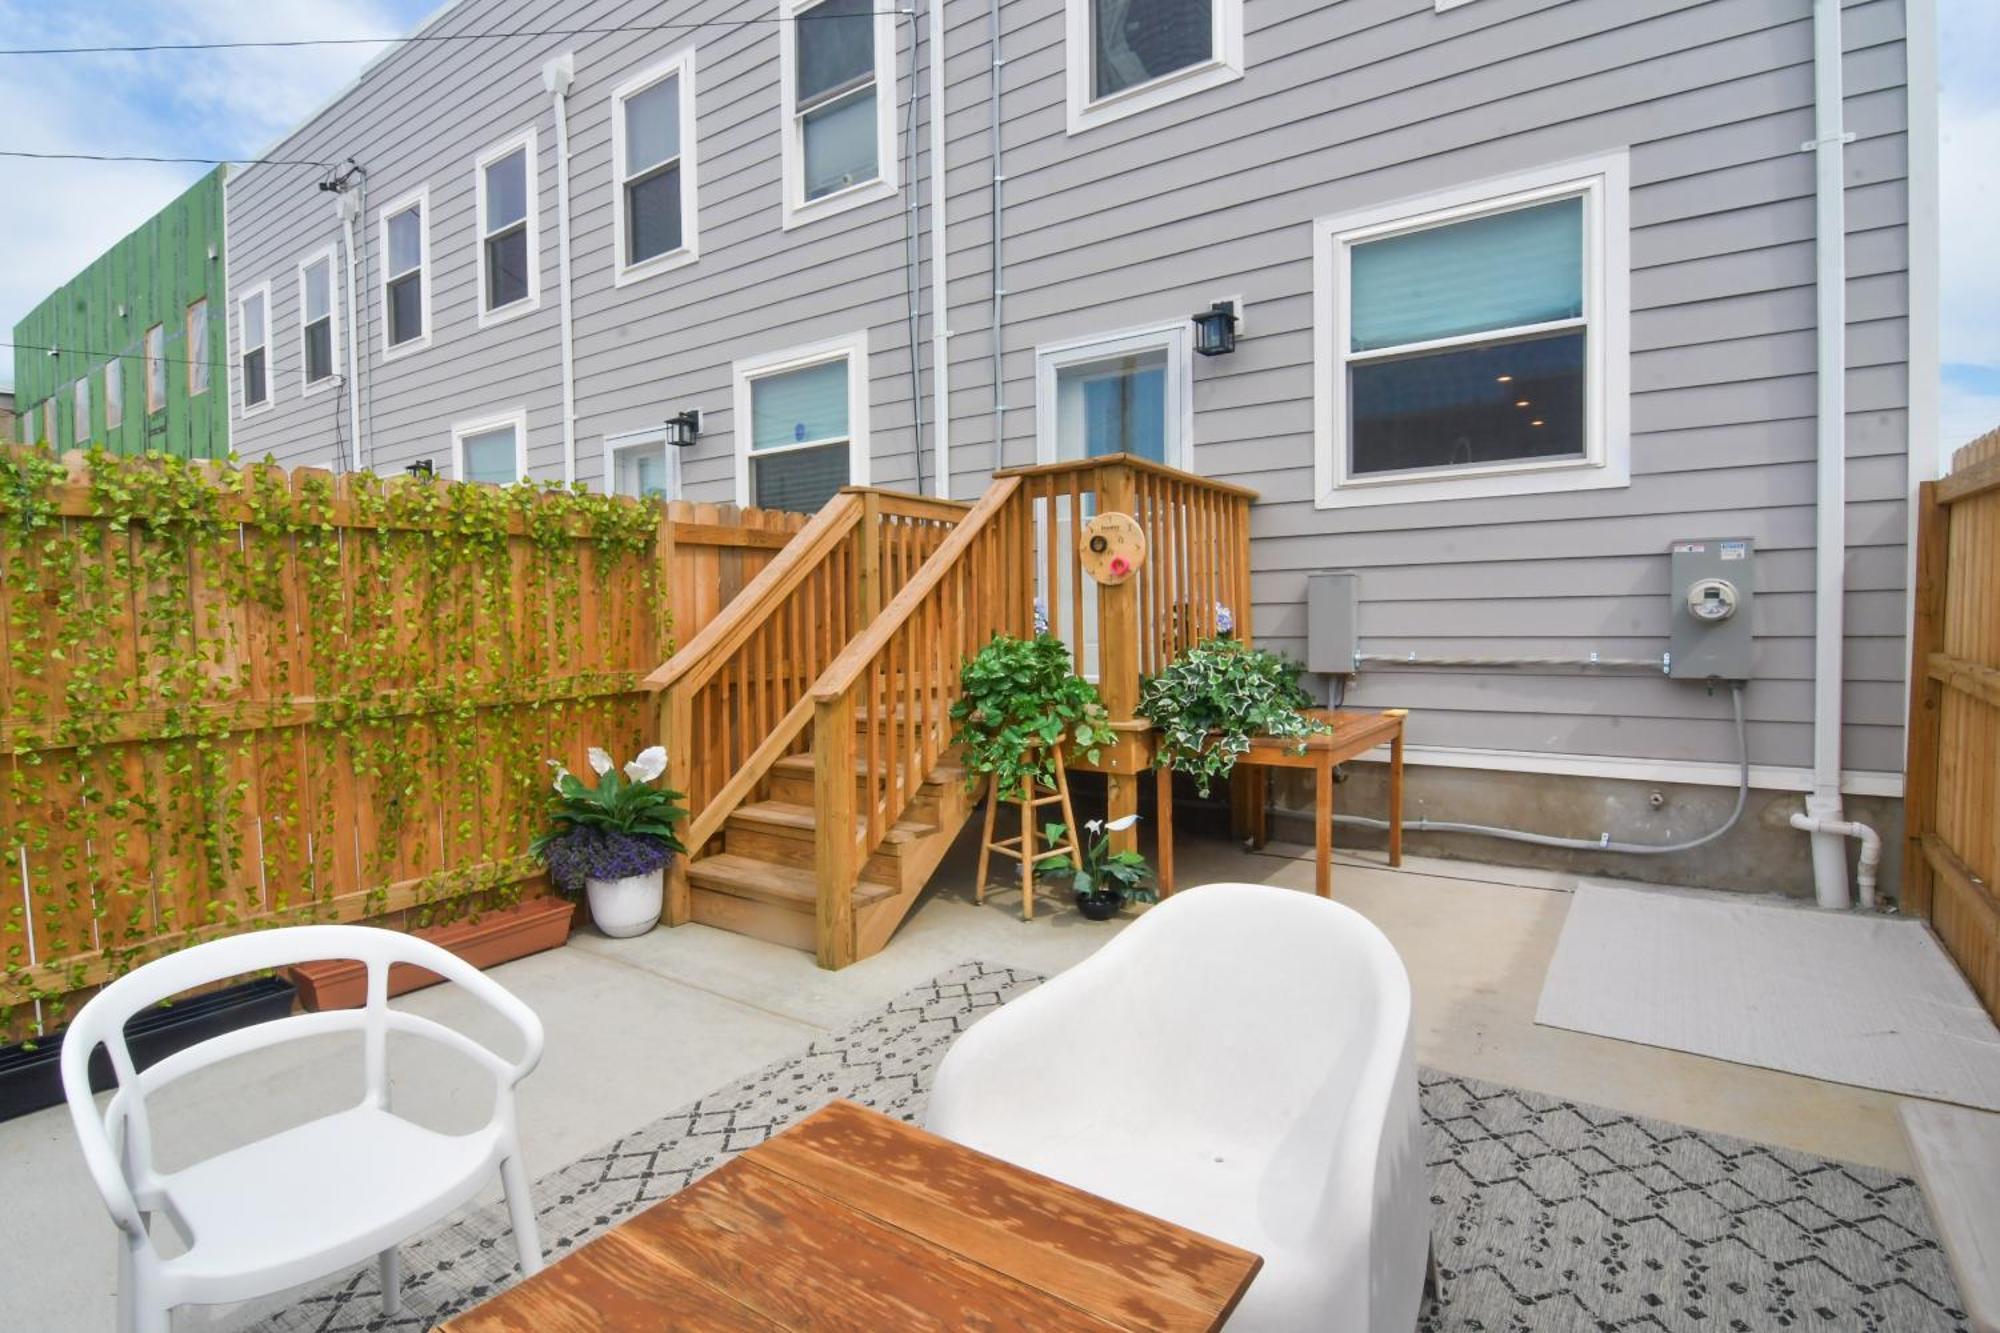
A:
{"points": [[1762, 854]]}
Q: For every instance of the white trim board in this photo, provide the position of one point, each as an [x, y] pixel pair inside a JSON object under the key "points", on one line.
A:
{"points": [[1692, 772]]}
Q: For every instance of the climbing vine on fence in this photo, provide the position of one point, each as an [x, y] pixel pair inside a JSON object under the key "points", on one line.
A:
{"points": [[235, 697]]}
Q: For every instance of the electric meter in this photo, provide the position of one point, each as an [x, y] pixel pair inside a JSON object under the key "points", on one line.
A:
{"points": [[1711, 599]]}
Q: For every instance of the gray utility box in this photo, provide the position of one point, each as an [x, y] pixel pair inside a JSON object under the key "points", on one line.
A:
{"points": [[1331, 637], [1710, 635]]}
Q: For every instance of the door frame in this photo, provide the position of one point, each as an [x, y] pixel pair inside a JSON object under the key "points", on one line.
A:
{"points": [[1176, 337]]}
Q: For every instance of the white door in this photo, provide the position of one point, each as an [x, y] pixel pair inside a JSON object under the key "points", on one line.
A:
{"points": [[639, 463]]}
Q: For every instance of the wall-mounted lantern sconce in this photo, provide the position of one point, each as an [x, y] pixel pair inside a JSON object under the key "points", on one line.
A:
{"points": [[1215, 329], [423, 467], [683, 427]]}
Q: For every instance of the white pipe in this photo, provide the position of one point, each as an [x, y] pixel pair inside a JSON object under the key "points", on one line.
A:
{"points": [[999, 239], [1837, 829], [940, 274], [912, 293], [557, 76], [349, 205], [1823, 808]]}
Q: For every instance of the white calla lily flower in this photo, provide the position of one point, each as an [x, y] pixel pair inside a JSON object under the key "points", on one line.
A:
{"points": [[561, 773], [648, 765], [1120, 825], [600, 760], [1094, 825]]}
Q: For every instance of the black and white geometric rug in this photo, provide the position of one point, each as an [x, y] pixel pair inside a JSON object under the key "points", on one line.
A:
{"points": [[1550, 1216]]}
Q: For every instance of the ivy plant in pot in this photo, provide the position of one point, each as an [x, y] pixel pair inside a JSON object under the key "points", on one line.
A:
{"points": [[1106, 880], [612, 841], [1018, 701], [1212, 700]]}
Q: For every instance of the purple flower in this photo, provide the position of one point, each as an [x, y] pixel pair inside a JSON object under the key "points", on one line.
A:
{"points": [[585, 852]]}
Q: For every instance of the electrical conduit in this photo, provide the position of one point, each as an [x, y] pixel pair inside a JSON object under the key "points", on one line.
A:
{"points": [[557, 76]]}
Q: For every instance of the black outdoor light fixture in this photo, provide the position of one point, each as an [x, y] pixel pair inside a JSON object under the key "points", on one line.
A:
{"points": [[1215, 329], [683, 427], [423, 467]]}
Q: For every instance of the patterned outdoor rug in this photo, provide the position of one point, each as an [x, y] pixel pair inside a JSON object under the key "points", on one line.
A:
{"points": [[1550, 1216]]}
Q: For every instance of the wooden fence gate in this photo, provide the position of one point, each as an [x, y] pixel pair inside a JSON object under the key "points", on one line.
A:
{"points": [[1953, 777]]}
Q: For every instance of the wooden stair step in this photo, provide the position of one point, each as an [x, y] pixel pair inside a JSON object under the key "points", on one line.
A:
{"points": [[792, 817], [801, 765], [767, 882]]}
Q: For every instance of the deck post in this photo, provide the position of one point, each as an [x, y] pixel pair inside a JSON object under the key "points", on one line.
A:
{"points": [[676, 726], [834, 858], [1118, 659], [868, 563], [1926, 697]]}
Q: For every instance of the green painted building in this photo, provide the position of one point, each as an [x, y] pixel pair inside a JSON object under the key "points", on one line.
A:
{"points": [[141, 342]]}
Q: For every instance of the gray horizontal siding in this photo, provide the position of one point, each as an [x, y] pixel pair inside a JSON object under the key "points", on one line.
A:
{"points": [[1373, 100]]}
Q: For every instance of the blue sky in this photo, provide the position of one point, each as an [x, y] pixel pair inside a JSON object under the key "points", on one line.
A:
{"points": [[60, 215]]}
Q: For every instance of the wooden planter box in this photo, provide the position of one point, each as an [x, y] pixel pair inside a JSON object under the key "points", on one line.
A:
{"points": [[496, 937]]}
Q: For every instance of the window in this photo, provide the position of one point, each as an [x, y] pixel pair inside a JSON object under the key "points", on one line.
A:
{"points": [[319, 325], [1129, 392], [405, 243], [639, 463], [652, 134], [509, 235], [1474, 343], [492, 450], [253, 329], [114, 394], [49, 422], [197, 347], [156, 370], [839, 83], [802, 424], [80, 416], [1125, 56]]}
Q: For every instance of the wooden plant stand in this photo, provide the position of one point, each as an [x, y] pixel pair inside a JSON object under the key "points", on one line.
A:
{"points": [[1022, 849]]}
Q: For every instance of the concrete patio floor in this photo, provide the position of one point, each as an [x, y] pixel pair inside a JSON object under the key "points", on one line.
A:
{"points": [[637, 1027]]}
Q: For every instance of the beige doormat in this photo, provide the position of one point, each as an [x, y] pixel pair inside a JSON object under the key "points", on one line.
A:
{"points": [[1867, 1000]]}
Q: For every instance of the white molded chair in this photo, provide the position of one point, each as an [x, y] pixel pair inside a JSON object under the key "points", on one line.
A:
{"points": [[311, 1200], [1239, 1061]]}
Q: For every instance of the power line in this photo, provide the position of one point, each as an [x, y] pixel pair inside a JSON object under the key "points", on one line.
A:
{"points": [[141, 157], [413, 38], [138, 354]]}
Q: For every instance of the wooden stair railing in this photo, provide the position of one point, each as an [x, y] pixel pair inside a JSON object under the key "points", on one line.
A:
{"points": [[736, 698], [881, 709]]}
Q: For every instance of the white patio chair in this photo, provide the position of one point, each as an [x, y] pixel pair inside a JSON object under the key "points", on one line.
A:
{"points": [[312, 1200], [1238, 1061]]}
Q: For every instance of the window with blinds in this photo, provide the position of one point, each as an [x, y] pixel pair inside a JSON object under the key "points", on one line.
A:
{"points": [[406, 274], [509, 281], [653, 129]]}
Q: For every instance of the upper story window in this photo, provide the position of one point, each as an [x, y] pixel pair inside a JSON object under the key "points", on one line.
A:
{"points": [[1474, 343], [1127, 55], [509, 231], [406, 274], [197, 347], [156, 371], [49, 422], [253, 328], [493, 449], [114, 394], [319, 324], [652, 145], [837, 58], [80, 417], [802, 424]]}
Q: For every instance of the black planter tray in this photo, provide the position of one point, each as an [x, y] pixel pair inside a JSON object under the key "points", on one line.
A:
{"points": [[32, 1079]]}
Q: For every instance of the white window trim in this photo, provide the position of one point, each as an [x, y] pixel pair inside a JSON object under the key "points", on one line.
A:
{"points": [[1602, 182], [114, 373], [655, 436], [308, 388], [681, 64], [798, 210], [244, 408], [421, 198], [854, 347], [1080, 58], [515, 417], [533, 301], [1445, 5], [1178, 340]]}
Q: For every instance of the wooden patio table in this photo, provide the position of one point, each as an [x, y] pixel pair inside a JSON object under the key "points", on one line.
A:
{"points": [[1354, 732], [852, 1220]]}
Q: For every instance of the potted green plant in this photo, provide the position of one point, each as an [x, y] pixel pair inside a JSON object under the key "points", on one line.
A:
{"points": [[1106, 880], [1018, 701], [612, 841], [1211, 701]]}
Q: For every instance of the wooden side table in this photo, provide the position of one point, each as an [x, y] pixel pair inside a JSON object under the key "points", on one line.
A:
{"points": [[1354, 733]]}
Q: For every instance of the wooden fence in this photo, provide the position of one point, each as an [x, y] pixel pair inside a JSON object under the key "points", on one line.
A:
{"points": [[1952, 797], [232, 698]]}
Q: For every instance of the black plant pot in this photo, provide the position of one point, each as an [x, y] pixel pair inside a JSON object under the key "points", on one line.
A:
{"points": [[1100, 904], [32, 1079]]}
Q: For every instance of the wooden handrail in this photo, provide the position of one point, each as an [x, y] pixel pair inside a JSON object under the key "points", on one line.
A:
{"points": [[914, 506], [1133, 461], [841, 673], [722, 635]]}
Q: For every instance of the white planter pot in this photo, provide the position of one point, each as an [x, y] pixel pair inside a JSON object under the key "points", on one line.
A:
{"points": [[625, 907]]}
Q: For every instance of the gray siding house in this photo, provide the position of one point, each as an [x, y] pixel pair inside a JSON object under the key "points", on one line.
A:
{"points": [[1527, 291]]}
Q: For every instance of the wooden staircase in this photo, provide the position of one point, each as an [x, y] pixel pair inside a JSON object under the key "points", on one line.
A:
{"points": [[809, 723]]}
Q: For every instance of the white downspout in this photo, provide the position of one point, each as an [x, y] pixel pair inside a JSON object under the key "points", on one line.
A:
{"points": [[940, 272], [1823, 818], [557, 76], [349, 205]]}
